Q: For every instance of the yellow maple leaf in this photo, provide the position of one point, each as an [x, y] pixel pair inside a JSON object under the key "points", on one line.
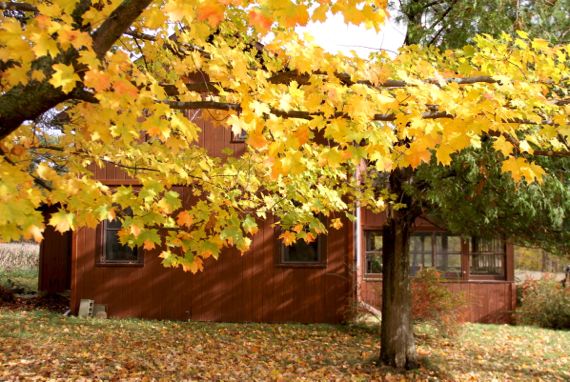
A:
{"points": [[256, 140], [193, 266], [521, 168], [260, 20], [336, 223], [35, 232], [178, 9], [64, 77], [135, 230], [98, 80], [148, 245], [45, 171], [44, 45], [309, 238], [62, 221], [502, 145]]}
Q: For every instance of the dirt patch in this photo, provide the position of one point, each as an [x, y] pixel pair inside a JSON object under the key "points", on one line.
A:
{"points": [[52, 302]]}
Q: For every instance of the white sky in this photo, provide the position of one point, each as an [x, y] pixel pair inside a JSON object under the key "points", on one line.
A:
{"points": [[334, 36]]}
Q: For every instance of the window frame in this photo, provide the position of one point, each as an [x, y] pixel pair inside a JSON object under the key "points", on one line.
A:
{"points": [[101, 252], [280, 249]]}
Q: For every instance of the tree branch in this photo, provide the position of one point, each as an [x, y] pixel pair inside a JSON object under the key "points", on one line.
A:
{"points": [[24, 103], [23, 7], [116, 24], [385, 117]]}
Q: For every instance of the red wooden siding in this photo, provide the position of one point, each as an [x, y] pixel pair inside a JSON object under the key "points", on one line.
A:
{"points": [[55, 261], [486, 301]]}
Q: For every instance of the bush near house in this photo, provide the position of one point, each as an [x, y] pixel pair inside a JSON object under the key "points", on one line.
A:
{"points": [[545, 303], [435, 303]]}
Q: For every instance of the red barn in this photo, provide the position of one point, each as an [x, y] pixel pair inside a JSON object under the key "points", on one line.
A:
{"points": [[270, 283]]}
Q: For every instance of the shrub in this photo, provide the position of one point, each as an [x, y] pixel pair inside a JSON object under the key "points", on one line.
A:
{"points": [[545, 303], [433, 302]]}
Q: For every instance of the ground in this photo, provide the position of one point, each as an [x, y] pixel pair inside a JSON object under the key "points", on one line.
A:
{"points": [[43, 345]]}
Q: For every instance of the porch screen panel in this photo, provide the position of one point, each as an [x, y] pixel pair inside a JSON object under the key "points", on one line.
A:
{"points": [[448, 254], [487, 257], [421, 251]]}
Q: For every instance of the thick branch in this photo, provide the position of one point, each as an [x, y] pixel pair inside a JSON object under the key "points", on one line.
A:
{"points": [[116, 24], [24, 103], [388, 117]]}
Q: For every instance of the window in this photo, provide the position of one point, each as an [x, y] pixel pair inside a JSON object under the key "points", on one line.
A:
{"points": [[426, 250], [239, 138], [487, 257], [373, 251], [302, 253], [112, 251]]}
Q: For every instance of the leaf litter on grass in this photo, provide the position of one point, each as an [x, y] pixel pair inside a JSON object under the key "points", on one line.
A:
{"points": [[41, 345]]}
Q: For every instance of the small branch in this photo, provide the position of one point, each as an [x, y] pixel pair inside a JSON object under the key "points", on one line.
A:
{"points": [[386, 117], [23, 7], [516, 145], [552, 153], [40, 182]]}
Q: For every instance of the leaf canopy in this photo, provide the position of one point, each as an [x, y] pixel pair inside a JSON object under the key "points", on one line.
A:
{"points": [[84, 86]]}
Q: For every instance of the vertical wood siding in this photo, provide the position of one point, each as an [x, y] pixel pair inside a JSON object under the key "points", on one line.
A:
{"points": [[234, 288], [485, 301], [55, 261]]}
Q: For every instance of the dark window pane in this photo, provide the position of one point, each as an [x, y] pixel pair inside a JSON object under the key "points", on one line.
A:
{"points": [[115, 224], [373, 251], [420, 251], [301, 252], [115, 251]]}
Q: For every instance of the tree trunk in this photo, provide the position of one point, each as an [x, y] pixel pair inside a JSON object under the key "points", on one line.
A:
{"points": [[397, 346]]}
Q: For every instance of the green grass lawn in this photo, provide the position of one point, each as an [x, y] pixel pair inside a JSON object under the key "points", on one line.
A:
{"points": [[42, 345]]}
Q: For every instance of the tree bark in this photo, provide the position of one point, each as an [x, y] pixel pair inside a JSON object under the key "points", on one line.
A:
{"points": [[397, 344]]}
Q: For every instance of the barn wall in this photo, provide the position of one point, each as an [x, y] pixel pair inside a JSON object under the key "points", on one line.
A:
{"points": [[234, 288]]}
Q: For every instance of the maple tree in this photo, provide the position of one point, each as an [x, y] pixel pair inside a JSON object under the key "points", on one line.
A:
{"points": [[529, 214], [88, 84], [471, 196]]}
